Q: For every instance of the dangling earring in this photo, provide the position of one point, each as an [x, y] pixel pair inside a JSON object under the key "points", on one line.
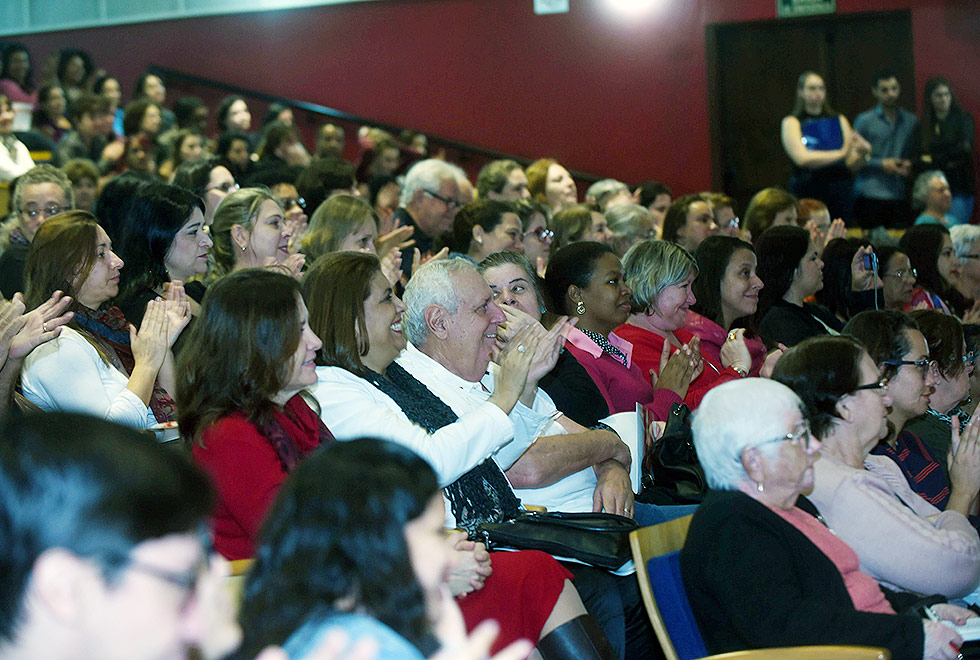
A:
{"points": [[759, 487], [243, 248], [580, 308]]}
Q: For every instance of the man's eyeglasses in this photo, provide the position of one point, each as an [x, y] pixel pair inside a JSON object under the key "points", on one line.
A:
{"points": [[47, 211], [902, 274], [801, 438], [541, 233], [923, 365], [448, 201]]}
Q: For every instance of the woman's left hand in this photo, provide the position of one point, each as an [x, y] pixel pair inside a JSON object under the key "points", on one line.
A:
{"points": [[177, 309], [472, 566], [772, 357], [613, 491], [863, 279], [953, 613]]}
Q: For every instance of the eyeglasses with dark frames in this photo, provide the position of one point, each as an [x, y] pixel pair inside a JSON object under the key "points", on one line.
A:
{"points": [[448, 201], [923, 365], [880, 385]]}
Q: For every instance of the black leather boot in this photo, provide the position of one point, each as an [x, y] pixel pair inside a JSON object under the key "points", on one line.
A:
{"points": [[579, 639]]}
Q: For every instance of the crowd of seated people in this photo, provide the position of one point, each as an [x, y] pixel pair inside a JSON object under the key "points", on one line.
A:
{"points": [[337, 362]]}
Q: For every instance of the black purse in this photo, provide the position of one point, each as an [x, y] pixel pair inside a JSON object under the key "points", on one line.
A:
{"points": [[597, 539], [672, 473]]}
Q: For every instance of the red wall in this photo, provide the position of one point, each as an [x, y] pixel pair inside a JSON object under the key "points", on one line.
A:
{"points": [[606, 94]]}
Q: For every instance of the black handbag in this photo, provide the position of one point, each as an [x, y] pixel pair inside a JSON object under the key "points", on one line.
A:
{"points": [[672, 473], [597, 539]]}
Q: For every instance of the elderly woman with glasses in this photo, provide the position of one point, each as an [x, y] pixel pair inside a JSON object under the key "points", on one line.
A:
{"points": [[899, 348], [759, 567], [901, 540]]}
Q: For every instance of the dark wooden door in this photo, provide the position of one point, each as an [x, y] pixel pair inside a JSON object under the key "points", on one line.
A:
{"points": [[752, 73]]}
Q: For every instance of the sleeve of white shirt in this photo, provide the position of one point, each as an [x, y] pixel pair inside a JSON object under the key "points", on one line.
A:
{"points": [[353, 408], [67, 373], [12, 165], [529, 424]]}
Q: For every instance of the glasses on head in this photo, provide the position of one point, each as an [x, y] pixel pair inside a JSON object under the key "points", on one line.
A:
{"points": [[541, 233], [288, 202], [448, 201], [228, 187], [47, 211], [801, 438], [880, 385], [902, 274], [969, 358], [923, 365]]}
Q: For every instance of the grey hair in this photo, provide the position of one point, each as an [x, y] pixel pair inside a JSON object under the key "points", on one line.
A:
{"points": [[41, 174], [920, 189], [649, 267], [735, 415], [425, 175], [964, 237], [432, 284], [604, 188], [629, 223]]}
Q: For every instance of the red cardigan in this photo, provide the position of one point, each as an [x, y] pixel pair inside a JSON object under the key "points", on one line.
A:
{"points": [[247, 471], [647, 348]]}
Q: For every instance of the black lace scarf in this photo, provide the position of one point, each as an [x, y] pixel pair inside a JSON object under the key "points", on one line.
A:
{"points": [[481, 495]]}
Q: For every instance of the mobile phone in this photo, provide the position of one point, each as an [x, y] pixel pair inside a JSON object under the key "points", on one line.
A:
{"points": [[871, 261]]}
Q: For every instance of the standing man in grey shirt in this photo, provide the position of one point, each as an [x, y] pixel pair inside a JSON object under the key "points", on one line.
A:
{"points": [[880, 186]]}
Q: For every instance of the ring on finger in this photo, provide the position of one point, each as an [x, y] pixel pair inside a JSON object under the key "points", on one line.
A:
{"points": [[44, 326], [521, 348], [731, 336]]}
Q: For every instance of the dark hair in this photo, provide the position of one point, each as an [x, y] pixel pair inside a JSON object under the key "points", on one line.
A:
{"points": [[883, 74], [883, 335], [112, 205], [177, 144], [944, 334], [271, 176], [139, 87], [88, 104], [922, 244], [322, 176], [274, 136], [572, 264], [9, 52], [196, 175], [570, 224], [184, 109], [62, 252], [929, 112], [676, 216], [712, 256], [133, 115], [651, 190], [493, 176], [376, 183], [779, 251], [227, 139], [485, 213], [221, 114], [337, 533], [335, 289], [157, 213], [240, 350], [273, 111], [101, 81], [821, 370], [41, 116], [94, 488], [836, 259], [64, 57]]}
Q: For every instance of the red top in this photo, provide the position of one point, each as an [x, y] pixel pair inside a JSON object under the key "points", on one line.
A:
{"points": [[647, 348], [247, 471], [623, 387]]}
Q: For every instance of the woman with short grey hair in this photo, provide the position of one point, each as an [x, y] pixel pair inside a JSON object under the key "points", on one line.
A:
{"points": [[965, 242], [932, 197], [759, 568]]}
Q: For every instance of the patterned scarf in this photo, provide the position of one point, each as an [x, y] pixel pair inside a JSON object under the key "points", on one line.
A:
{"points": [[109, 328], [315, 433], [604, 344], [17, 237], [481, 495]]}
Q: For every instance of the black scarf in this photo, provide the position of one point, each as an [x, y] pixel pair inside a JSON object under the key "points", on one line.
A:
{"points": [[481, 495]]}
